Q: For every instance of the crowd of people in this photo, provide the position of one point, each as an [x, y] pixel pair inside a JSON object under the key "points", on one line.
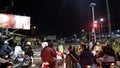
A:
{"points": [[78, 56], [13, 52], [81, 56]]}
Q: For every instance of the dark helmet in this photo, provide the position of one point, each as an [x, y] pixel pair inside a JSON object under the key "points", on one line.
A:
{"points": [[85, 46], [50, 44], [71, 48]]}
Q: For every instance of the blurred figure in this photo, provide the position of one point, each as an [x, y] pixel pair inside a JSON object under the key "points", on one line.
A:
{"points": [[44, 44], [95, 49], [48, 54], [86, 57], [80, 47], [4, 63], [108, 57], [60, 48], [6, 48], [29, 51], [72, 60], [18, 50]]}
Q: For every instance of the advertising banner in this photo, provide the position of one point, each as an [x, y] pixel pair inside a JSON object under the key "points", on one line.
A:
{"points": [[14, 21]]}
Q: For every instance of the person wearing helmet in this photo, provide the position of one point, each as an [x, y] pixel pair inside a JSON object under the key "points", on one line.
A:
{"points": [[6, 48], [29, 51], [48, 54], [44, 44], [72, 58], [86, 57]]}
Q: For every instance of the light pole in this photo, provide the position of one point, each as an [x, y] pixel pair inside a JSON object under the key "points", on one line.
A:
{"points": [[101, 27], [93, 29], [109, 23], [33, 30]]}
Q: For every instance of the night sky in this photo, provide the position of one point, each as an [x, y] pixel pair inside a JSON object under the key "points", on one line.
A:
{"points": [[63, 17]]}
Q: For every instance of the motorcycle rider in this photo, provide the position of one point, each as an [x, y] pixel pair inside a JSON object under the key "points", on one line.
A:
{"points": [[48, 54], [72, 59], [4, 63], [86, 57], [6, 48], [60, 48], [44, 44], [29, 51], [18, 50]]}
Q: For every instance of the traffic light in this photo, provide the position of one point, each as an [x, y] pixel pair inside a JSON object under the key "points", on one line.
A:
{"points": [[95, 25]]}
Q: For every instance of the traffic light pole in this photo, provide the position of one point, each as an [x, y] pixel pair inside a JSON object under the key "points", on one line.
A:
{"points": [[93, 29]]}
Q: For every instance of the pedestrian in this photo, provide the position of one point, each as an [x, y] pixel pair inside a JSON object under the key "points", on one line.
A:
{"points": [[72, 59], [48, 54]]}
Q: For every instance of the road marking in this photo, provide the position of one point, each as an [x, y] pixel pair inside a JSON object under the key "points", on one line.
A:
{"points": [[36, 58]]}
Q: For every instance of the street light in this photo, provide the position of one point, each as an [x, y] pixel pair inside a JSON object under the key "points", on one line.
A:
{"points": [[93, 29], [101, 27]]}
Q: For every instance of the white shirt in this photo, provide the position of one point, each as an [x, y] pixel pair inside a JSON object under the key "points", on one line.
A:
{"points": [[18, 50]]}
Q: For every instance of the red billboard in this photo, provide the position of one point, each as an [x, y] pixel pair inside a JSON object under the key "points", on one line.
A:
{"points": [[14, 21]]}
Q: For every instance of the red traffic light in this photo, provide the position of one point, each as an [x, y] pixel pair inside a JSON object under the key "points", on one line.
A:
{"points": [[95, 25]]}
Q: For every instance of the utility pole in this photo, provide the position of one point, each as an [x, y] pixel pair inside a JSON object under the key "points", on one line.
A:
{"points": [[109, 23], [93, 29]]}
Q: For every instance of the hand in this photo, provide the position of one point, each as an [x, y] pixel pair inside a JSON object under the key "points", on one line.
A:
{"points": [[54, 59], [7, 60]]}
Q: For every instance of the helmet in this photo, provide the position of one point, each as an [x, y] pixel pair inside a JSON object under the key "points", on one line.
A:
{"points": [[6, 42], [28, 43]]}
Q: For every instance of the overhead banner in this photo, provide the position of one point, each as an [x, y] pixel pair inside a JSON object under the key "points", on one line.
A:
{"points": [[14, 21]]}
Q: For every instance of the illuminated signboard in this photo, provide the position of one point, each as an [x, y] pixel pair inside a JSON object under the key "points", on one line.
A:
{"points": [[14, 21]]}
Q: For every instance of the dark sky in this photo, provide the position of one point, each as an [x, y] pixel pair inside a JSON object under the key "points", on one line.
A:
{"points": [[64, 17]]}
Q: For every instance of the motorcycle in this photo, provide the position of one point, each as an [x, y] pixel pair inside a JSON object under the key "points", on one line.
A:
{"points": [[108, 65], [85, 66], [45, 65], [60, 58], [23, 60], [6, 64]]}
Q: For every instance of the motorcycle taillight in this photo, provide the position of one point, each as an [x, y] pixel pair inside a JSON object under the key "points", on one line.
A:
{"points": [[87, 66], [112, 64], [45, 63], [59, 53]]}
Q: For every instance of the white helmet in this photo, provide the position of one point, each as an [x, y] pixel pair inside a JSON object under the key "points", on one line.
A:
{"points": [[28, 43], [6, 42]]}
